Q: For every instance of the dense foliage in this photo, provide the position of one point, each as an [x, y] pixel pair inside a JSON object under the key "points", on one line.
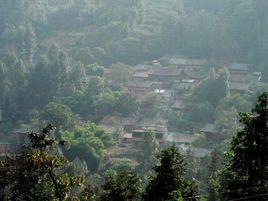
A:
{"points": [[37, 172], [68, 62], [167, 178], [245, 174]]}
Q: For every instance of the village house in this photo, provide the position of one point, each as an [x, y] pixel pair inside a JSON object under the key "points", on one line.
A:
{"points": [[142, 67], [241, 79], [140, 76], [139, 128], [238, 88], [238, 72], [188, 64], [140, 72], [136, 136], [211, 133], [117, 123], [141, 88], [181, 140], [178, 105], [187, 84], [164, 74], [166, 96]]}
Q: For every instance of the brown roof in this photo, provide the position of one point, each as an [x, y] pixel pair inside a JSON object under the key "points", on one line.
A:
{"points": [[165, 72], [239, 86], [142, 67], [188, 61], [209, 128], [180, 138], [145, 84], [239, 67], [141, 74]]}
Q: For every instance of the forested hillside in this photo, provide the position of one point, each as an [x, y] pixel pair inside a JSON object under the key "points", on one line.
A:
{"points": [[134, 88]]}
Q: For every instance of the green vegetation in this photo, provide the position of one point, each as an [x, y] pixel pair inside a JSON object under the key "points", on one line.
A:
{"points": [[245, 172], [167, 182], [122, 81], [37, 172]]}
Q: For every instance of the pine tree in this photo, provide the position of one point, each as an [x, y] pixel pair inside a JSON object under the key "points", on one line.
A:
{"points": [[167, 178], [245, 174]]}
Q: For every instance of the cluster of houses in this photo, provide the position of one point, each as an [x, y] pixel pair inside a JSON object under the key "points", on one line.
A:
{"points": [[171, 78]]}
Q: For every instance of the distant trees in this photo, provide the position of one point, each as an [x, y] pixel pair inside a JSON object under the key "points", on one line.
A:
{"points": [[245, 172], [48, 79], [60, 115], [204, 99], [148, 148]]}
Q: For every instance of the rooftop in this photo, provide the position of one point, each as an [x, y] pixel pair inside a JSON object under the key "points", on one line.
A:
{"points": [[239, 66], [188, 61], [142, 67], [178, 105], [141, 74], [188, 81], [239, 86], [145, 84], [180, 138], [209, 128], [165, 72]]}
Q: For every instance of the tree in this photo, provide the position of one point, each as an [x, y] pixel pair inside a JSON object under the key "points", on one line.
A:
{"points": [[121, 186], [38, 92], [60, 115], [168, 177], [245, 173], [151, 105], [87, 143], [205, 98], [213, 176], [119, 74], [37, 172], [227, 123], [95, 69], [148, 147]]}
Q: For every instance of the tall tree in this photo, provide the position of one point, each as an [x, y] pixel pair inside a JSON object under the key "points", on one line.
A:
{"points": [[167, 178], [121, 186], [148, 147], [245, 175]]}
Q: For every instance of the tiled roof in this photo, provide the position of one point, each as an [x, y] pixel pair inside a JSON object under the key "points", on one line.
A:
{"points": [[165, 72], [239, 86], [179, 138], [239, 66], [209, 128]]}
